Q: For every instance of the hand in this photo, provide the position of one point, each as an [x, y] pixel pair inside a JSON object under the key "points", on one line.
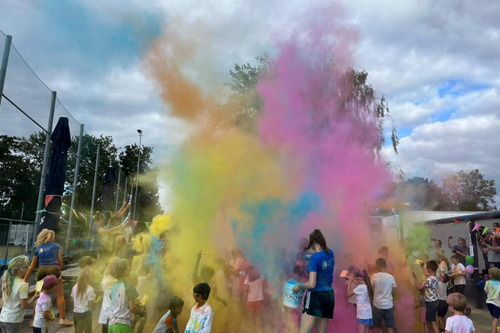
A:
{"points": [[296, 289]]}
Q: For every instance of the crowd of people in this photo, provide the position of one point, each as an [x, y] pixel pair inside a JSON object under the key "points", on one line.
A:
{"points": [[439, 284]]}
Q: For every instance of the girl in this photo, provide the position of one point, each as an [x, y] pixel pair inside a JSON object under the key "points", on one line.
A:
{"points": [[254, 286], [492, 289], [15, 295], [364, 298], [43, 311], [48, 259], [83, 298], [107, 284], [320, 300]]}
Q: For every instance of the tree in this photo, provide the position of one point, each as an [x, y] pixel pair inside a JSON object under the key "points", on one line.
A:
{"points": [[469, 191], [355, 93], [421, 194]]}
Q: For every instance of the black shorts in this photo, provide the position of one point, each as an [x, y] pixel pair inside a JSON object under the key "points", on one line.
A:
{"points": [[44, 271], [319, 304], [431, 311], [442, 308], [386, 315], [494, 310]]}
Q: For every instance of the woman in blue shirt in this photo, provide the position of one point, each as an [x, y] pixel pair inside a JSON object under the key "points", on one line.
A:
{"points": [[320, 300], [48, 260]]}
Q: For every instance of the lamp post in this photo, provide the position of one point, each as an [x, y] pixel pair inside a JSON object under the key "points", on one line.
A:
{"points": [[137, 174]]}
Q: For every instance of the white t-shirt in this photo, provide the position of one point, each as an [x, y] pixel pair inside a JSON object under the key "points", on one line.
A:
{"points": [[363, 307], [442, 289], [200, 320], [255, 289], [44, 303], [458, 268], [107, 284], [121, 294], [492, 288], [11, 310], [383, 283], [81, 304], [459, 324]]}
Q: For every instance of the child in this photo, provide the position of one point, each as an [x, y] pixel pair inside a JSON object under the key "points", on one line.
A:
{"points": [[458, 323], [431, 298], [122, 297], [201, 313], [254, 287], [43, 310], [364, 296], [107, 284], [492, 289], [15, 295], [384, 288], [168, 323], [442, 309], [83, 298], [458, 274]]}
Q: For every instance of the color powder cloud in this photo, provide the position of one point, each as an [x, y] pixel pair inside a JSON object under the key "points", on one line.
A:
{"points": [[311, 164]]}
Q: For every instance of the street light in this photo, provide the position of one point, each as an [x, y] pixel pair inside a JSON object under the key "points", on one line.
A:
{"points": [[137, 174]]}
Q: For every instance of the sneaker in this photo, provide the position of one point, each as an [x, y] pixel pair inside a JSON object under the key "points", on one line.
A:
{"points": [[65, 322]]}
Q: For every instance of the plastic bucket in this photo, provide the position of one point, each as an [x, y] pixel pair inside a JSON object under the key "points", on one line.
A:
{"points": [[291, 299]]}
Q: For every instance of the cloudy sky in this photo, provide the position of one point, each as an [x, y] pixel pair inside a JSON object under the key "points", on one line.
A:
{"points": [[437, 63]]}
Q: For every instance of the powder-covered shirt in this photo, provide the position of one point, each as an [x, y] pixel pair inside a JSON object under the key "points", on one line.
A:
{"points": [[383, 283], [363, 307], [107, 284], [121, 294], [200, 320], [458, 268], [167, 321], [44, 303], [47, 254], [255, 289], [322, 263], [81, 302], [492, 289], [459, 324], [431, 284], [11, 309]]}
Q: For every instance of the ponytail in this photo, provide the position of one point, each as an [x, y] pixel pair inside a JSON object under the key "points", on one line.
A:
{"points": [[15, 265]]}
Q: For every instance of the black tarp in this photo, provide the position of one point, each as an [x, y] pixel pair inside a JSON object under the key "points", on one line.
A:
{"points": [[54, 185], [108, 190]]}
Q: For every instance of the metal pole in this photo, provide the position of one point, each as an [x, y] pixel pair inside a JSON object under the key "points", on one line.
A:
{"points": [[75, 181], [137, 174], [125, 190], [118, 188], [5, 62], [22, 210], [96, 172], [41, 189], [8, 241]]}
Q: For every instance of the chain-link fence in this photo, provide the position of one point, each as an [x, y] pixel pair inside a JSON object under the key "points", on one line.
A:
{"points": [[29, 112]]}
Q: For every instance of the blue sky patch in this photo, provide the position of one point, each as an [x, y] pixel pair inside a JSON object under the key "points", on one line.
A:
{"points": [[456, 88]]}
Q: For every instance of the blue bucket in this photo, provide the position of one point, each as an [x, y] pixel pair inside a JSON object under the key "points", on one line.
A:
{"points": [[291, 299]]}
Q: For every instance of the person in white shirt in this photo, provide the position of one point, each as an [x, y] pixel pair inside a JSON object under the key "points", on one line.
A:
{"points": [[83, 298], [202, 314], [492, 289], [384, 288], [459, 322], [15, 295]]}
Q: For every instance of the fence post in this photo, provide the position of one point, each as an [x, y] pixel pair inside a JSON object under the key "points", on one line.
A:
{"points": [[75, 181], [41, 189], [8, 241], [5, 62], [118, 188], [96, 172]]}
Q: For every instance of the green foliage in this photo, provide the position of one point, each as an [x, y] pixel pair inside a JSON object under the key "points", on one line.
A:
{"points": [[21, 163], [358, 97], [460, 192]]}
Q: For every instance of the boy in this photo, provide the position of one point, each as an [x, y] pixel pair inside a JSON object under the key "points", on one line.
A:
{"points": [[168, 323], [442, 290], [458, 323], [122, 298], [431, 298], [201, 314], [384, 288], [492, 289], [458, 274], [43, 309]]}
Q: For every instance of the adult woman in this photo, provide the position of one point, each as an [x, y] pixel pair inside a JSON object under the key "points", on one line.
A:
{"points": [[319, 301], [48, 259]]}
